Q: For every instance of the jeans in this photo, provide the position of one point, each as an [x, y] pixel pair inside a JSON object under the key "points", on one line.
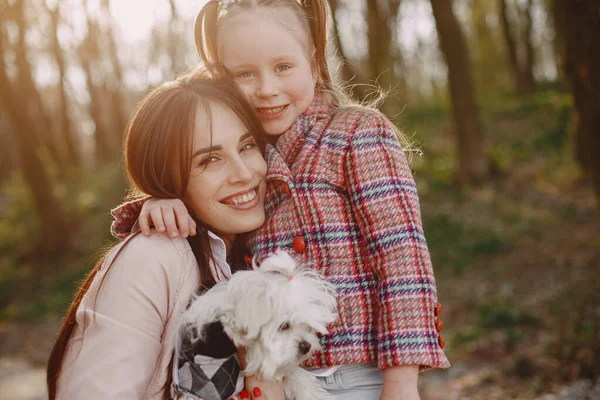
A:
{"points": [[354, 382]]}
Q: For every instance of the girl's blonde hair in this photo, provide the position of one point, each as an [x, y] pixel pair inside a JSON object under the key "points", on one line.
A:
{"points": [[314, 17], [312, 14]]}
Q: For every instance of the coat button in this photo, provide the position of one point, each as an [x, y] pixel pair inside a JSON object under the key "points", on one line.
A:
{"points": [[299, 244], [437, 310], [248, 260], [439, 325], [287, 190], [441, 341]]}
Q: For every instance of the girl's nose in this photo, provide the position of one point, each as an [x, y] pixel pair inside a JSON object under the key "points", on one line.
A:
{"points": [[267, 87]]}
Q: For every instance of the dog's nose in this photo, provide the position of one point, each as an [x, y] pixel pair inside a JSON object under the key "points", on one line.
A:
{"points": [[304, 347]]}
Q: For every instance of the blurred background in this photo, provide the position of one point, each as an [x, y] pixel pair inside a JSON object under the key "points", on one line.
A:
{"points": [[502, 97]]}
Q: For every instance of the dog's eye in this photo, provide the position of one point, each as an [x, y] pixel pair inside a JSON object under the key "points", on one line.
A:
{"points": [[285, 326]]}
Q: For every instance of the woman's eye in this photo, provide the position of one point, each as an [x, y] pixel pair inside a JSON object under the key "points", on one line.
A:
{"points": [[209, 160], [248, 146], [283, 67], [244, 74]]}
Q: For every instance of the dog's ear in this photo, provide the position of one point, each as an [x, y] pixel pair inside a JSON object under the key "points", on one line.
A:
{"points": [[204, 309]]}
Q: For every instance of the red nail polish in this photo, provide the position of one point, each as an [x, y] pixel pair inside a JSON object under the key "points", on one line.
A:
{"points": [[244, 394], [256, 392]]}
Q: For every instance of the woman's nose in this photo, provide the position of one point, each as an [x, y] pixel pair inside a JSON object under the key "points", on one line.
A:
{"points": [[240, 171]]}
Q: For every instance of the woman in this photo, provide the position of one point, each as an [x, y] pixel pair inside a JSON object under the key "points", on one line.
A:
{"points": [[194, 139]]}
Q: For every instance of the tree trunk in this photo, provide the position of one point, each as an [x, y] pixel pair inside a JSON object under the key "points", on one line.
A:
{"points": [[88, 53], [529, 50], [349, 75], [72, 152], [558, 42], [580, 20], [35, 105], [380, 62], [489, 73], [396, 58], [117, 103], [472, 163], [174, 43], [14, 101], [521, 83]]}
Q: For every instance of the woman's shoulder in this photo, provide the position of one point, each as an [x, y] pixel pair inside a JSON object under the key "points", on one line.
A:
{"points": [[152, 255], [156, 243]]}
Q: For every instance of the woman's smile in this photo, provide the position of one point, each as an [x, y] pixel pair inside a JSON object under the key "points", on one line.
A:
{"points": [[243, 200]]}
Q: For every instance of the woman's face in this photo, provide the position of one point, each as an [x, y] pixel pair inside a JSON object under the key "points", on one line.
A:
{"points": [[227, 187]]}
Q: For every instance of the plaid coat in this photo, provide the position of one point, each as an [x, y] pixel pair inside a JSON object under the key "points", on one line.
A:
{"points": [[341, 199]]}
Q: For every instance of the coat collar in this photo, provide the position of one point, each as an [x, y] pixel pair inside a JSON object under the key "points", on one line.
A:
{"points": [[290, 142]]}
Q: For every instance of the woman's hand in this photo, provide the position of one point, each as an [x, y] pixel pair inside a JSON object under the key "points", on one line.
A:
{"points": [[168, 215], [262, 390]]}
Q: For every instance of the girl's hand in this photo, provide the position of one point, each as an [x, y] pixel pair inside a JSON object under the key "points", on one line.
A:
{"points": [[168, 215]]}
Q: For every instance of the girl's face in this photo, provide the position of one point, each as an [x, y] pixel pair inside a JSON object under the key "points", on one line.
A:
{"points": [[227, 186], [269, 58]]}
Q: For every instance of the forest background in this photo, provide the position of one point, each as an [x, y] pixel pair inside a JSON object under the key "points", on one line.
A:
{"points": [[500, 96]]}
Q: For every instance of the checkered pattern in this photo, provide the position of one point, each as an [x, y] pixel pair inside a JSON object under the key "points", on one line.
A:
{"points": [[207, 368], [125, 217], [210, 378], [352, 198]]}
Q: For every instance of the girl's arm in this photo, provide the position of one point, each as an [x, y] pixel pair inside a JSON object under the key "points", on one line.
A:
{"points": [[386, 208], [165, 215], [119, 351], [400, 383]]}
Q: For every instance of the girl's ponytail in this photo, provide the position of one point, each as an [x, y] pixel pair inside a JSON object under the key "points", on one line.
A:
{"points": [[317, 13], [205, 32]]}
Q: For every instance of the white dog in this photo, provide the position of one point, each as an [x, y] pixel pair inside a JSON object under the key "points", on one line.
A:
{"points": [[275, 312]]}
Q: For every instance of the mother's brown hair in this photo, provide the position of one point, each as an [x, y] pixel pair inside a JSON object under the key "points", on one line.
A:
{"points": [[158, 151]]}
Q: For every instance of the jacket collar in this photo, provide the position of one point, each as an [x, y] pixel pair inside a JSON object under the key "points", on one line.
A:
{"points": [[290, 142]]}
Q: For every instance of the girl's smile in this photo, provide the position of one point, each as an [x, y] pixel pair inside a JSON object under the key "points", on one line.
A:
{"points": [[270, 113]]}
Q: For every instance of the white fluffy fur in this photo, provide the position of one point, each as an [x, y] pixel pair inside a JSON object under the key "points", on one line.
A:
{"points": [[255, 308]]}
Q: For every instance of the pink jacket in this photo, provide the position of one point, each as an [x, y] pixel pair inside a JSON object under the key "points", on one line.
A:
{"points": [[130, 324]]}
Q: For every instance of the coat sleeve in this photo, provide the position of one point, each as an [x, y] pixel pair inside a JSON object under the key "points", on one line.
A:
{"points": [[125, 216], [118, 353], [386, 208]]}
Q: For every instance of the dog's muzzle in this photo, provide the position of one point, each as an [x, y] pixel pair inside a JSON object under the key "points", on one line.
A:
{"points": [[304, 347]]}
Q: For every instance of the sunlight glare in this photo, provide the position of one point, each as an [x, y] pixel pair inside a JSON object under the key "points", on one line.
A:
{"points": [[135, 18]]}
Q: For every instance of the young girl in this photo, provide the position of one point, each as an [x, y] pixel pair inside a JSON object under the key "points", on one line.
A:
{"points": [[190, 139], [341, 197]]}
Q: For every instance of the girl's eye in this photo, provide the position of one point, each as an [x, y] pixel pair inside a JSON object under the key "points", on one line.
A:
{"points": [[283, 67]]}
